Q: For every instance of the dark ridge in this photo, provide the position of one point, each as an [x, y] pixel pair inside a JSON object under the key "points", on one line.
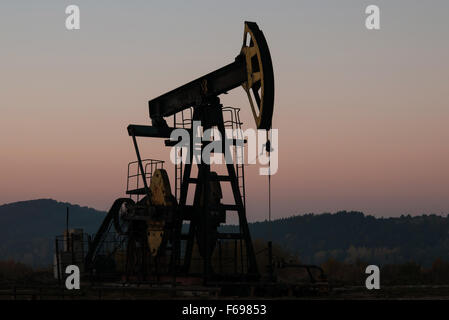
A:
{"points": [[28, 228]]}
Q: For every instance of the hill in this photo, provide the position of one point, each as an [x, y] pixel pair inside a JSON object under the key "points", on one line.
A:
{"points": [[352, 236], [28, 229]]}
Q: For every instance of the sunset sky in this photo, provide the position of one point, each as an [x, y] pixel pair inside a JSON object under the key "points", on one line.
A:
{"points": [[363, 116]]}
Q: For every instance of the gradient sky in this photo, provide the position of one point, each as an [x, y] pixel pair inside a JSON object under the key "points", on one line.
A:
{"points": [[362, 115]]}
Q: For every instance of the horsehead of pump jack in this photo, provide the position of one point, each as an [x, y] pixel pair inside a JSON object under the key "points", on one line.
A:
{"points": [[253, 70]]}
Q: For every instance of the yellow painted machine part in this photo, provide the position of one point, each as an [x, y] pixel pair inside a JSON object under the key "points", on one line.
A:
{"points": [[160, 196]]}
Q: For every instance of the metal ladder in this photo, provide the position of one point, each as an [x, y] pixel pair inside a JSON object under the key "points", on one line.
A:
{"points": [[185, 122], [235, 124]]}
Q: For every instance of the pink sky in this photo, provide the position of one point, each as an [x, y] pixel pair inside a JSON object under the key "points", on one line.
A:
{"points": [[362, 115]]}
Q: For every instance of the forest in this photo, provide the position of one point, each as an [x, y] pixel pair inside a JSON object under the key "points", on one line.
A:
{"points": [[28, 230]]}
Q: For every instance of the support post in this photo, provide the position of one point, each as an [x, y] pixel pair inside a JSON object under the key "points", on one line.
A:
{"points": [[139, 159], [58, 267]]}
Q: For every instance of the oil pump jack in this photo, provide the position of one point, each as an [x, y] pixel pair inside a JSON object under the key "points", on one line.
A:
{"points": [[159, 234]]}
